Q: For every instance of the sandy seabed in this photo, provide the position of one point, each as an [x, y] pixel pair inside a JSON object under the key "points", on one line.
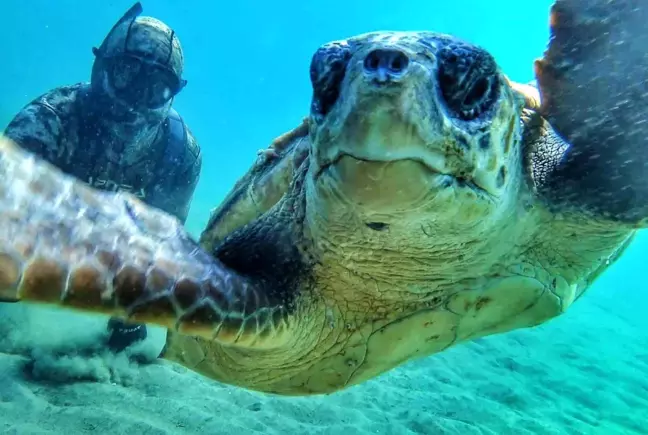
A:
{"points": [[583, 373]]}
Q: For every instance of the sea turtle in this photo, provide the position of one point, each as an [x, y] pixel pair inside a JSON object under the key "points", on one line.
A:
{"points": [[425, 201]]}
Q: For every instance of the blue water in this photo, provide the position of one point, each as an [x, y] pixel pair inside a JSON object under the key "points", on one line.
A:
{"points": [[247, 62]]}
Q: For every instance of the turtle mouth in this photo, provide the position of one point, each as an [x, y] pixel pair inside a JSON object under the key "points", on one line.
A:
{"points": [[444, 180]]}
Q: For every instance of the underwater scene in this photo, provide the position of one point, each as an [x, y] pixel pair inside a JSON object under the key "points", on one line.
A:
{"points": [[324, 217]]}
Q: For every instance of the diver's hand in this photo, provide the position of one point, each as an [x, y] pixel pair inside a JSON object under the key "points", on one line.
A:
{"points": [[122, 335]]}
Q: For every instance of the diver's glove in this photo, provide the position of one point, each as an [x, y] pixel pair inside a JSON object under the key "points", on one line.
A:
{"points": [[122, 335]]}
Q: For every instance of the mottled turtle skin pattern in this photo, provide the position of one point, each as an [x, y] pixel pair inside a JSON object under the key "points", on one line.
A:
{"points": [[425, 201]]}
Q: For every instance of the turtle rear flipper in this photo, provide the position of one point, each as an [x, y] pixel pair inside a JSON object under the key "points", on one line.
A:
{"points": [[63, 243], [593, 81]]}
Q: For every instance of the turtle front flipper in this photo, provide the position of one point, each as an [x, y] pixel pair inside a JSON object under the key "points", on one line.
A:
{"points": [[261, 187], [63, 243], [593, 81]]}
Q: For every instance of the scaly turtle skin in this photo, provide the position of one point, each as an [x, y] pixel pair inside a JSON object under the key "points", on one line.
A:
{"points": [[432, 202]]}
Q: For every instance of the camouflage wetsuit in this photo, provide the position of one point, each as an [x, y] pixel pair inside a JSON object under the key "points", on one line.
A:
{"points": [[59, 127]]}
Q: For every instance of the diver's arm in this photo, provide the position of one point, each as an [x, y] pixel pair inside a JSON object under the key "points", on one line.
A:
{"points": [[178, 200], [185, 189], [37, 128]]}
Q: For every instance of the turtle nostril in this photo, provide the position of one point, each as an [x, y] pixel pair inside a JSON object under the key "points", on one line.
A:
{"points": [[398, 62], [386, 63], [372, 61]]}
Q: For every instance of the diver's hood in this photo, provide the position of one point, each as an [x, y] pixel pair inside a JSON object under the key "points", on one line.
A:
{"points": [[145, 36]]}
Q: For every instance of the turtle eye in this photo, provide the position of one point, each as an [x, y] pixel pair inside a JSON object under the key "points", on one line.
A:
{"points": [[468, 80], [327, 71]]}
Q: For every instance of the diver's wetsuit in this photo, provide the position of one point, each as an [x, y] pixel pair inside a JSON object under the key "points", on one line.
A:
{"points": [[60, 127]]}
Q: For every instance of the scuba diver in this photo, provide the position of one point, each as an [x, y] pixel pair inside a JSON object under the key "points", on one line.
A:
{"points": [[119, 131]]}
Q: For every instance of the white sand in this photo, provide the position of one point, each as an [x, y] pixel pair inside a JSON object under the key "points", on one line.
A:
{"points": [[584, 373]]}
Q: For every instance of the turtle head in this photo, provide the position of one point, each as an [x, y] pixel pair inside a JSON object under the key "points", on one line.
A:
{"points": [[412, 127]]}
